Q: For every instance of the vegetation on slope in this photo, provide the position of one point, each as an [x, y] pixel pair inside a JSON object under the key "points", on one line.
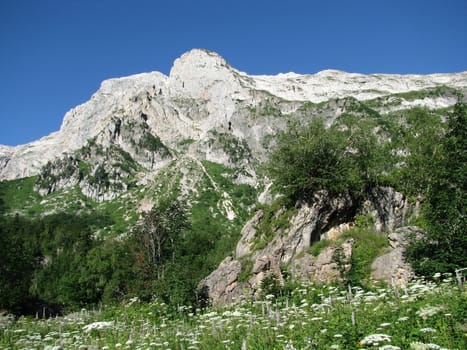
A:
{"points": [[309, 316], [68, 249], [417, 153]]}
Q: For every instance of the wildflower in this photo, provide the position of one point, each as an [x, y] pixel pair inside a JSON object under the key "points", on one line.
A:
{"points": [[422, 346], [389, 347], [98, 325], [338, 335], [374, 339], [427, 330], [429, 311], [384, 325], [404, 318]]}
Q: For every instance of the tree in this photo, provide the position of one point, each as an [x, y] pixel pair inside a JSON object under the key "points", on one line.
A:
{"points": [[443, 249], [16, 264], [155, 239], [344, 157]]}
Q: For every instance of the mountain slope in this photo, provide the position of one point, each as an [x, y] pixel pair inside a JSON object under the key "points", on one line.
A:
{"points": [[198, 139]]}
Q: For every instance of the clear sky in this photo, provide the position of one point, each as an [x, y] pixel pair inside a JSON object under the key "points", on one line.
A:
{"points": [[55, 53]]}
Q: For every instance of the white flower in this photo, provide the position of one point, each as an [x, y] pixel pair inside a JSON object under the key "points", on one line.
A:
{"points": [[429, 311], [389, 347], [422, 346], [428, 330], [98, 325], [375, 339]]}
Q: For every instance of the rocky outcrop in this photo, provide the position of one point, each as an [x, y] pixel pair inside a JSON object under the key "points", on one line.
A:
{"points": [[325, 217], [222, 285], [392, 267], [389, 208], [329, 266]]}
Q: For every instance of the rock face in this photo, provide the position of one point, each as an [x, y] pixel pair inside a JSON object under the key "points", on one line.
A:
{"points": [[325, 217], [202, 98], [392, 266]]}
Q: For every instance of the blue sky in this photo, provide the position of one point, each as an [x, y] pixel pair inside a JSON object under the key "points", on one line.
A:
{"points": [[55, 53]]}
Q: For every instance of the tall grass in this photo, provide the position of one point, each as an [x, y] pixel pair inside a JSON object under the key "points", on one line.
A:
{"points": [[423, 315]]}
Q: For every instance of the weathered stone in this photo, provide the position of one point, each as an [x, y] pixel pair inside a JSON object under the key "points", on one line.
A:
{"points": [[388, 207], [392, 267], [222, 285], [248, 234]]}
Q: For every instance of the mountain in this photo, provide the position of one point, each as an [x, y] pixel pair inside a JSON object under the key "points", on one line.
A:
{"points": [[203, 94], [200, 138]]}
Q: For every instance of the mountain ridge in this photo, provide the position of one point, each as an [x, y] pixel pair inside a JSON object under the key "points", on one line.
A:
{"points": [[202, 91]]}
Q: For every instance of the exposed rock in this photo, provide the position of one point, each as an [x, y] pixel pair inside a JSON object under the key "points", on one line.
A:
{"points": [[392, 266], [248, 234], [325, 217], [204, 93], [222, 285], [326, 267], [388, 207]]}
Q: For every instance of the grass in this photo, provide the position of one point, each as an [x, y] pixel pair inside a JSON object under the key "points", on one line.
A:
{"points": [[19, 194], [276, 219], [316, 248], [311, 316]]}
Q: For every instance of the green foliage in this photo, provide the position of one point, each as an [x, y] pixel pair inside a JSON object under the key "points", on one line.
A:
{"points": [[444, 246], [422, 133], [308, 316], [247, 266], [185, 142], [276, 218], [153, 144], [363, 221], [270, 285], [236, 149], [345, 157], [317, 247], [17, 263], [19, 194], [367, 246]]}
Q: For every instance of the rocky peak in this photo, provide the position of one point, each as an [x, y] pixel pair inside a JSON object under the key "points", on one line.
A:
{"points": [[204, 94]]}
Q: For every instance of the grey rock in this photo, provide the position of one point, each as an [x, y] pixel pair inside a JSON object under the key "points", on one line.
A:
{"points": [[392, 267], [222, 285]]}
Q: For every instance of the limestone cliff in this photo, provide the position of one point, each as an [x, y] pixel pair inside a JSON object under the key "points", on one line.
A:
{"points": [[204, 95]]}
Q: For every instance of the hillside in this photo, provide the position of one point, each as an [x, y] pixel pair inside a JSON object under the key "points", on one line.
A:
{"points": [[156, 180]]}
